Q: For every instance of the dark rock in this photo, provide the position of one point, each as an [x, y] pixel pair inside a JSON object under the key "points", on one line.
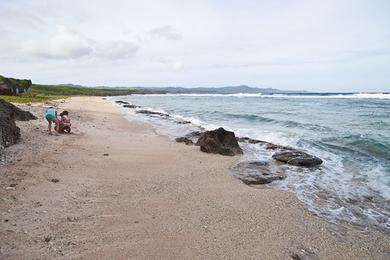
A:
{"points": [[105, 154], [121, 102], [304, 254], [297, 158], [130, 106], [72, 219], [219, 141], [271, 146], [151, 113], [248, 140], [183, 122], [47, 239], [184, 140], [55, 180], [257, 172], [194, 134], [9, 110], [9, 132]]}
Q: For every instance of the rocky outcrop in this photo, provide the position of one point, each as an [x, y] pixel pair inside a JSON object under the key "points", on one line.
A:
{"points": [[9, 110], [219, 141], [10, 86], [297, 158], [9, 132], [257, 172], [185, 140]]}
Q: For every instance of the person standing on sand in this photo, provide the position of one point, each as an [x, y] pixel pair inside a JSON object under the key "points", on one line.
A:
{"points": [[51, 116]]}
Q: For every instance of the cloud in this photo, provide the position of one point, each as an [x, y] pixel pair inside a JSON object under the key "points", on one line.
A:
{"points": [[69, 44], [175, 64], [64, 44], [116, 49], [166, 32]]}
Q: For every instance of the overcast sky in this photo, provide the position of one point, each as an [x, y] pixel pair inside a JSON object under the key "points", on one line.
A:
{"points": [[325, 45]]}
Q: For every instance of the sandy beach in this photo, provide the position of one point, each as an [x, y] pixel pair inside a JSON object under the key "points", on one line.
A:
{"points": [[116, 189]]}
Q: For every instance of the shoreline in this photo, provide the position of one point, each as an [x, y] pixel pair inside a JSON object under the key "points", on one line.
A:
{"points": [[150, 197]]}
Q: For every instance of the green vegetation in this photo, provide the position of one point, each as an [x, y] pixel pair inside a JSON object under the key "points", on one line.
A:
{"points": [[78, 91], [28, 98], [42, 93]]}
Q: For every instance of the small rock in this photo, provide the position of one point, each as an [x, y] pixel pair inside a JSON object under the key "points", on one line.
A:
{"points": [[297, 158], [47, 239], [121, 102], [185, 140], [257, 172], [37, 204], [71, 219], [13, 184], [55, 180], [271, 146], [106, 154]]}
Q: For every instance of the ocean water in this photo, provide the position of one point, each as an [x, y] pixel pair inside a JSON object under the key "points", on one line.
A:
{"points": [[350, 132]]}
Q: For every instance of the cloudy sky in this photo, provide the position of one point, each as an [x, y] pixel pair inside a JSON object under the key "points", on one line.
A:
{"points": [[332, 45]]}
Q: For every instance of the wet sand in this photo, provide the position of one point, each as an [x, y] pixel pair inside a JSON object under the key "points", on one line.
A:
{"points": [[125, 192]]}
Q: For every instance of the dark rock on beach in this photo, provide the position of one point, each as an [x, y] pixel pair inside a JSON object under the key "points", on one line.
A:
{"points": [[257, 172], [249, 140], [297, 158], [271, 146], [9, 110], [185, 140], [219, 141], [9, 132], [151, 113], [194, 134], [183, 122], [121, 102], [130, 106]]}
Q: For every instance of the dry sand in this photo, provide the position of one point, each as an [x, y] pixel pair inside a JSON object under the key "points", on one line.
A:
{"points": [[125, 192]]}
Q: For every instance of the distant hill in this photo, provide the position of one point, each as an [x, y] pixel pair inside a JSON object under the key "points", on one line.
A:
{"points": [[219, 90], [182, 90]]}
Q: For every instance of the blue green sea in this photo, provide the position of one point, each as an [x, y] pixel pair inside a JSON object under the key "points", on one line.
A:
{"points": [[350, 132]]}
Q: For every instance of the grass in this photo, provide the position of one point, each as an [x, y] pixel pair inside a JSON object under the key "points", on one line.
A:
{"points": [[28, 98], [42, 93], [78, 91]]}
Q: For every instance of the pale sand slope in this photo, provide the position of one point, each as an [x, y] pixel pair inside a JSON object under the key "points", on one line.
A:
{"points": [[150, 198]]}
